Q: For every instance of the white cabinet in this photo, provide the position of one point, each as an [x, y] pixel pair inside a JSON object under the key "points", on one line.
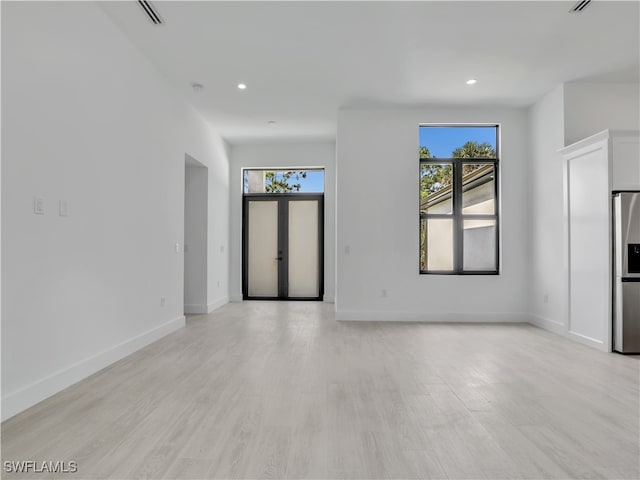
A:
{"points": [[593, 168], [626, 161]]}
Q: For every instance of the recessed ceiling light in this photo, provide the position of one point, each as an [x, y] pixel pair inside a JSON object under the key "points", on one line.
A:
{"points": [[471, 81], [242, 86], [271, 122]]}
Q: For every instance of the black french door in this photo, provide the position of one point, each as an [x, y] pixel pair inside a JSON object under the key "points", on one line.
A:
{"points": [[283, 246]]}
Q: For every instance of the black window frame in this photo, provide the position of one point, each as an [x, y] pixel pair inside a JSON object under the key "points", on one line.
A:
{"points": [[456, 214]]}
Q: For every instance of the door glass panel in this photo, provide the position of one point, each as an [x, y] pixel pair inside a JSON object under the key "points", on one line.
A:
{"points": [[303, 248], [479, 245], [478, 189], [263, 249], [437, 243]]}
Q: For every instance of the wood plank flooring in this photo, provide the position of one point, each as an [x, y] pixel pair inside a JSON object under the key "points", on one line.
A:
{"points": [[282, 390]]}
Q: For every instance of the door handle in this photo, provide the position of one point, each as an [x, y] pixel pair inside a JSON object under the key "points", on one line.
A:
{"points": [[278, 258]]}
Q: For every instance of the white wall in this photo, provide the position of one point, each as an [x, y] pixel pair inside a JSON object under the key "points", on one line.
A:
{"points": [[205, 145], [590, 108], [196, 184], [377, 221], [547, 288], [88, 120], [286, 155], [569, 113]]}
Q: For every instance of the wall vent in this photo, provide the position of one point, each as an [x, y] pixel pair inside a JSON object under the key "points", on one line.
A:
{"points": [[580, 6], [151, 12]]}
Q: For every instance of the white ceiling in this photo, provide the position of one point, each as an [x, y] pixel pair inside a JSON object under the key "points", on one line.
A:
{"points": [[302, 61]]}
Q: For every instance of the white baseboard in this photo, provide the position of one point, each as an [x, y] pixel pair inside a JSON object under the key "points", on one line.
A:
{"points": [[18, 401], [236, 298], [199, 309], [560, 329], [195, 309], [328, 299], [547, 324], [590, 342], [217, 304], [379, 316]]}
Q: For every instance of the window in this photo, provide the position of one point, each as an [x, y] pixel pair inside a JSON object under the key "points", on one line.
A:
{"points": [[459, 199], [283, 181]]}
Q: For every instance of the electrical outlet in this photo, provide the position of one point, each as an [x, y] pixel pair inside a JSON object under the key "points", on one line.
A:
{"points": [[347, 249], [162, 301], [38, 205], [64, 208], [545, 298], [383, 293], [177, 248]]}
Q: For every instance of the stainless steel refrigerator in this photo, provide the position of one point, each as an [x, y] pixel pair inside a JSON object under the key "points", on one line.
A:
{"points": [[626, 272]]}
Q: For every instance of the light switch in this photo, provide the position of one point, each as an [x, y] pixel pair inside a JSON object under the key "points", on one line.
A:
{"points": [[64, 209], [38, 205], [347, 249], [177, 248]]}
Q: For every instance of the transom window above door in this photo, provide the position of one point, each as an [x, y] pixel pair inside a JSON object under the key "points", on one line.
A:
{"points": [[283, 181]]}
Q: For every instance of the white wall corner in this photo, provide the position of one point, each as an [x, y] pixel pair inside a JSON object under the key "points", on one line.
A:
{"points": [[195, 309], [18, 401], [200, 309], [547, 324], [217, 304]]}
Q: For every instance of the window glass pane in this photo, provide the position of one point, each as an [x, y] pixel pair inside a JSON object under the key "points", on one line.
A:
{"points": [[436, 182], [423, 239], [436, 244], [478, 189], [283, 181], [479, 245], [457, 142]]}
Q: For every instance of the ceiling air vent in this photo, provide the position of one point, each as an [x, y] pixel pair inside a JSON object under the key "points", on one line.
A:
{"points": [[580, 6], [151, 12]]}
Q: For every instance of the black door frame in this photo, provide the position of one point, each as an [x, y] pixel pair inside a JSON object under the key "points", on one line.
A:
{"points": [[283, 242]]}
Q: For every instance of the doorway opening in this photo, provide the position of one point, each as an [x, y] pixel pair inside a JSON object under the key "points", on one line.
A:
{"points": [[283, 235], [196, 195]]}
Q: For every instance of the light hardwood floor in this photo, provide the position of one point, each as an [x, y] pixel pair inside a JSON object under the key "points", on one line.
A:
{"points": [[282, 390]]}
